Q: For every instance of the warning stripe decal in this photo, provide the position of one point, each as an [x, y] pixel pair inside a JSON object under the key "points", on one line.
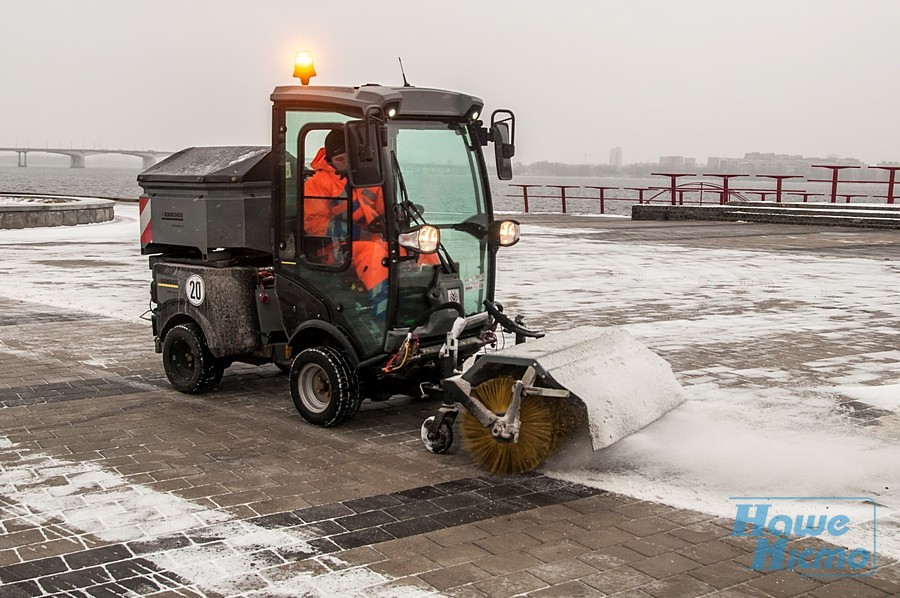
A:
{"points": [[146, 231]]}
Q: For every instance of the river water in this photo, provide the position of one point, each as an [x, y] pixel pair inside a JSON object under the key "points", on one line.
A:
{"points": [[121, 183], [116, 183]]}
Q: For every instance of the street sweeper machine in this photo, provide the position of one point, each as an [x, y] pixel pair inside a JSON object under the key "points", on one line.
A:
{"points": [[358, 254]]}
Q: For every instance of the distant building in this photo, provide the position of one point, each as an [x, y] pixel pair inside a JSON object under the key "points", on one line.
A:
{"points": [[673, 161], [615, 157], [754, 163]]}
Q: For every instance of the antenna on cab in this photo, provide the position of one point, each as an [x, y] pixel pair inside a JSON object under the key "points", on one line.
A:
{"points": [[405, 82]]}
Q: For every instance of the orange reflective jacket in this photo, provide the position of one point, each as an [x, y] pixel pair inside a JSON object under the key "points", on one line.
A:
{"points": [[320, 214], [326, 217]]}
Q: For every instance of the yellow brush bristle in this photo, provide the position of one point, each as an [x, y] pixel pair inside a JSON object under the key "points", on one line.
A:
{"points": [[545, 423]]}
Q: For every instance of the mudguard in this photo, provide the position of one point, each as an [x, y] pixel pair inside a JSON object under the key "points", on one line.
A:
{"points": [[221, 300]]}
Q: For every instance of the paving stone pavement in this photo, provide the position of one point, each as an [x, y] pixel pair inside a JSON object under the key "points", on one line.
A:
{"points": [[125, 487]]}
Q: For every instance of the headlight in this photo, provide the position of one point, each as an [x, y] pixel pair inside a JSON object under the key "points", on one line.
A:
{"points": [[424, 239], [504, 233]]}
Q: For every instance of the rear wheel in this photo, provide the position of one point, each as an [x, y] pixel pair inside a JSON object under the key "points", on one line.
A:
{"points": [[189, 365], [324, 386]]}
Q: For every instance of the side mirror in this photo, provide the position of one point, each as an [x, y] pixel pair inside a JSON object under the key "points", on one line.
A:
{"points": [[364, 153], [503, 136]]}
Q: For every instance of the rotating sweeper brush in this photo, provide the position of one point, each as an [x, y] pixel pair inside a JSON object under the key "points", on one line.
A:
{"points": [[521, 404], [545, 418]]}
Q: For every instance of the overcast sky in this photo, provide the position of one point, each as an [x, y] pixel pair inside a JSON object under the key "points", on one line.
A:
{"points": [[695, 78]]}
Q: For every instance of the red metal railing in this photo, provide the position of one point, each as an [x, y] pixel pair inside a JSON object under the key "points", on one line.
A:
{"points": [[892, 176], [779, 180], [602, 195], [835, 174], [674, 193]]}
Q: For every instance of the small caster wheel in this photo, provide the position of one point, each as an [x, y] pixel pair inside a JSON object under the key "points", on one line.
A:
{"points": [[439, 442]]}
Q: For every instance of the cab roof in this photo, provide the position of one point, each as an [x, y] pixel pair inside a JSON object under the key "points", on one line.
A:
{"points": [[410, 102]]}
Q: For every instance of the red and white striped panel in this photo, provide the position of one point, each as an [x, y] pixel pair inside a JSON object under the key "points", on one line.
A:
{"points": [[146, 231]]}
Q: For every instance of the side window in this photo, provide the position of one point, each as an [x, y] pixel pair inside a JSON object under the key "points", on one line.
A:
{"points": [[324, 205], [298, 169]]}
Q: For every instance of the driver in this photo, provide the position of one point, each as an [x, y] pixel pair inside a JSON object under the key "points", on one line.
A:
{"points": [[326, 217]]}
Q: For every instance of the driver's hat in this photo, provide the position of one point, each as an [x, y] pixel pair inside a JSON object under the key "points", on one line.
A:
{"points": [[334, 144]]}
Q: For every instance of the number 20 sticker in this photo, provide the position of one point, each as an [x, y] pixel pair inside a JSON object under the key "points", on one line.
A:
{"points": [[195, 290]]}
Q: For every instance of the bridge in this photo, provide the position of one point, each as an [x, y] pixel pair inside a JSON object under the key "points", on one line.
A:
{"points": [[77, 156]]}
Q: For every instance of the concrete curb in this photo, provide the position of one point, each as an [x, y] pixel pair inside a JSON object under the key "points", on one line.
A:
{"points": [[67, 211], [864, 216]]}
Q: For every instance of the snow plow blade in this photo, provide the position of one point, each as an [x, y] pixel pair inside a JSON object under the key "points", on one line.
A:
{"points": [[623, 385]]}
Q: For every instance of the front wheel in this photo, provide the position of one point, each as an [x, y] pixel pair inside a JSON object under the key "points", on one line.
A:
{"points": [[324, 386], [189, 365], [437, 442]]}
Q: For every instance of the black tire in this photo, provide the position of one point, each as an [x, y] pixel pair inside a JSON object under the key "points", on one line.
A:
{"points": [[218, 372], [284, 367], [189, 365], [324, 386], [441, 442]]}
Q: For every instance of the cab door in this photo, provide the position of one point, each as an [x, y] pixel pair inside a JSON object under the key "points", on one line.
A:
{"points": [[322, 251]]}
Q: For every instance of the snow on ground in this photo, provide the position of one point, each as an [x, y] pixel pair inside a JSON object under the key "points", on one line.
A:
{"points": [[13, 200], [92, 267], [105, 505], [884, 397], [761, 416], [766, 430]]}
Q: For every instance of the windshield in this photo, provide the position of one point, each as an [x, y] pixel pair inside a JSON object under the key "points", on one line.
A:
{"points": [[437, 170]]}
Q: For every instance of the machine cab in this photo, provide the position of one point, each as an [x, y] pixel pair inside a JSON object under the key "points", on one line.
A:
{"points": [[402, 237]]}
